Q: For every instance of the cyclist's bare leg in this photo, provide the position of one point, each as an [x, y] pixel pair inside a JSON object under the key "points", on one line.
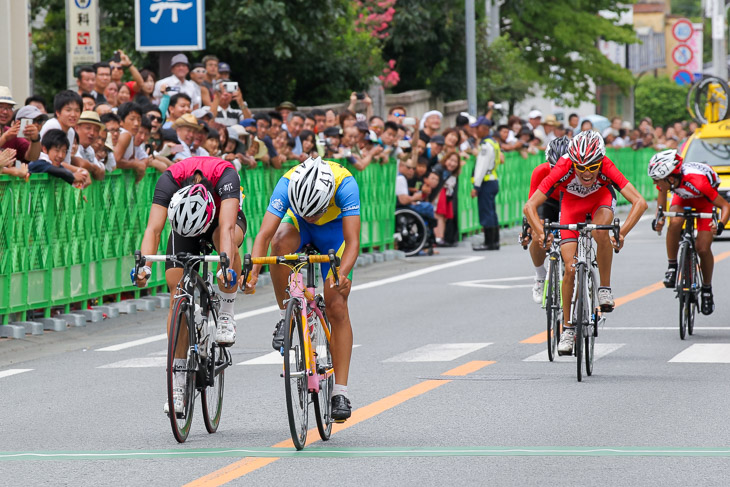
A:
{"points": [[341, 337], [236, 264], [568, 249], [604, 249], [674, 233], [704, 251], [537, 253], [173, 277], [286, 241]]}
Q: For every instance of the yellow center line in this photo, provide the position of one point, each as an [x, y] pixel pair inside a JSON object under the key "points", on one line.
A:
{"points": [[248, 465], [640, 293]]}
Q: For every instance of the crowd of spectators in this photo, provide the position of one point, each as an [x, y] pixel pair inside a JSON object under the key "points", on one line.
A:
{"points": [[121, 117]]}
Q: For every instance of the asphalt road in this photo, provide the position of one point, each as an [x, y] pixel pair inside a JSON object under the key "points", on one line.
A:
{"points": [[447, 384]]}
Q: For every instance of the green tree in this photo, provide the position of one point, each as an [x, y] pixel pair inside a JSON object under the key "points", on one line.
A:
{"points": [[503, 73], [278, 49], [559, 41], [661, 99]]}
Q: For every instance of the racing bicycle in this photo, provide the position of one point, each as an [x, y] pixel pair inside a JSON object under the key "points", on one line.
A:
{"points": [[688, 284], [308, 370], [205, 363], [587, 316]]}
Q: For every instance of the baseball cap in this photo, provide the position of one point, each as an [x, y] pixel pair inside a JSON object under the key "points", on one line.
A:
{"points": [[428, 114], [202, 112], [482, 120], [471, 118], [535, 114], [224, 67], [28, 111], [179, 59], [438, 139], [248, 122], [362, 126], [332, 132], [286, 105]]}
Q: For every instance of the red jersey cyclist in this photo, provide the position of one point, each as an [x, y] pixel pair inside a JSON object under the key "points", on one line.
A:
{"points": [[318, 203], [695, 185], [587, 179], [549, 210], [201, 196]]}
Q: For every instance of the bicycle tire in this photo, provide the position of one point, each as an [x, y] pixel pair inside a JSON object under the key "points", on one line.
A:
{"points": [[211, 396], [552, 307], [682, 289], [323, 398], [591, 327], [295, 381], [701, 99], [697, 282], [181, 313], [578, 320]]}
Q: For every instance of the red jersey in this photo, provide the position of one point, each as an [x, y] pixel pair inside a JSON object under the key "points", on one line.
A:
{"points": [[221, 174], [211, 167], [538, 174], [563, 177], [698, 181]]}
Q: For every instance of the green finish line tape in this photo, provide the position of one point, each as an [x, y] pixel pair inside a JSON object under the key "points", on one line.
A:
{"points": [[370, 452]]}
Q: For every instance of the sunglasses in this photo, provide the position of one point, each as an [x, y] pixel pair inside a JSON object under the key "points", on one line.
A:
{"points": [[592, 168], [199, 71], [399, 114], [154, 118]]}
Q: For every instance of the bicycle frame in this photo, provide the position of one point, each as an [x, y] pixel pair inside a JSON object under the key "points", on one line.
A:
{"points": [[305, 294]]}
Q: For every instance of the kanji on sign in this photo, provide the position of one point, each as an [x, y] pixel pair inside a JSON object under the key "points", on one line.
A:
{"points": [[83, 19], [161, 5]]}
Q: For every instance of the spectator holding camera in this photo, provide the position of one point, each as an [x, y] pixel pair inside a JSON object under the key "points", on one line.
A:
{"points": [[25, 143], [226, 115], [362, 97], [177, 82]]}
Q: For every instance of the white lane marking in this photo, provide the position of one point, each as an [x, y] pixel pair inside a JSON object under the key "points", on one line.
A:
{"points": [[705, 353], [256, 312], [483, 283], [600, 350], [9, 372], [662, 328], [437, 352], [136, 363], [134, 343], [272, 358]]}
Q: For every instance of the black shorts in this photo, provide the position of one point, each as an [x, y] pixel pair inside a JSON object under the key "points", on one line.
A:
{"points": [[191, 245], [550, 210]]}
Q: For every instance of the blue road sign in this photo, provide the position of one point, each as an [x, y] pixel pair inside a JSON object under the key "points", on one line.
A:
{"points": [[169, 25], [682, 77]]}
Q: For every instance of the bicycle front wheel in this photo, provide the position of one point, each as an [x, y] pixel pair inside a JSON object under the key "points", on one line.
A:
{"points": [[591, 325], [684, 290], [323, 398], [552, 309], [697, 286], [181, 374], [212, 395], [295, 375], [579, 319]]}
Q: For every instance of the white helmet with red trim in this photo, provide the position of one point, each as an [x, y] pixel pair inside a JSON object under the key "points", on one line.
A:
{"points": [[191, 210], [587, 148], [664, 163]]}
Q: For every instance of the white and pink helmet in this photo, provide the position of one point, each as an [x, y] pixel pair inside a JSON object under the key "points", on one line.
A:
{"points": [[191, 210]]}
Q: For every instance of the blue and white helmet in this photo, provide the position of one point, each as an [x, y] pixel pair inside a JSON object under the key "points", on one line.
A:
{"points": [[311, 187]]}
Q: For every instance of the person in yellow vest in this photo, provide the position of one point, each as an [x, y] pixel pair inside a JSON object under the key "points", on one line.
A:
{"points": [[486, 184]]}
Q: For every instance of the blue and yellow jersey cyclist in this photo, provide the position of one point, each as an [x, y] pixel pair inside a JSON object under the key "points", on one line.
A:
{"points": [[318, 203]]}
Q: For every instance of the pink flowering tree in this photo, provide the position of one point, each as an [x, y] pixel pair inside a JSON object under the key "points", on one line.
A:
{"points": [[375, 17]]}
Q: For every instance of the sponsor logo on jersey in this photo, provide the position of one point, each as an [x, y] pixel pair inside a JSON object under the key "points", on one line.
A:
{"points": [[351, 208], [278, 204]]}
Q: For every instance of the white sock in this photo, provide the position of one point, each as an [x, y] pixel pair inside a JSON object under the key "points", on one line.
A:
{"points": [[179, 380], [282, 313], [339, 389], [540, 273], [227, 302]]}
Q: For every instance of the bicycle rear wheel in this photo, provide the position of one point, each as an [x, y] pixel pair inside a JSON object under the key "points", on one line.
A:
{"points": [[696, 287], [181, 336], [323, 398], [295, 375], [552, 309]]}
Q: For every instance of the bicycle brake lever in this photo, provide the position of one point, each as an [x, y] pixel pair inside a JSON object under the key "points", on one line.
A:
{"points": [[616, 235], [334, 263]]}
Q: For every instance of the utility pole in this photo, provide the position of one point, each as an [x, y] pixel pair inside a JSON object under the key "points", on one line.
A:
{"points": [[491, 7], [471, 59], [715, 9]]}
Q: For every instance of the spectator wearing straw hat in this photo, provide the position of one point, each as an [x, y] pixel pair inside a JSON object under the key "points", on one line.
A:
{"points": [[186, 127], [88, 128], [176, 83], [27, 144], [285, 109]]}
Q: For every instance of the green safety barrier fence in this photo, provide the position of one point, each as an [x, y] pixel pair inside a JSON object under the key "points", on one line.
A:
{"points": [[59, 245], [514, 184]]}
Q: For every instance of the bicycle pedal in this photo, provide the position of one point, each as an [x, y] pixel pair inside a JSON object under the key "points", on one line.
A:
{"points": [[606, 308], [339, 421]]}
